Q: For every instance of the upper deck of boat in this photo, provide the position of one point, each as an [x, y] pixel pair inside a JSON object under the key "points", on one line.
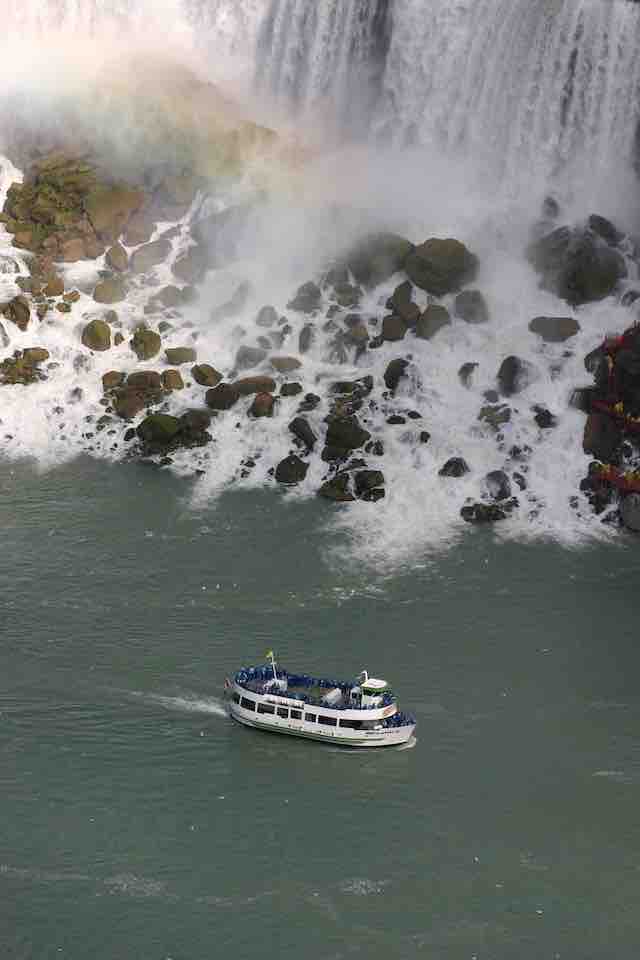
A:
{"points": [[306, 689]]}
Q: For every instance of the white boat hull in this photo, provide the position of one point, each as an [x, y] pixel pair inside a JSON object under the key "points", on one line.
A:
{"points": [[385, 737]]}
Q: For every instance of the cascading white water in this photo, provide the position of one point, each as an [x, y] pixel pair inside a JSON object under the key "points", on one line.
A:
{"points": [[537, 85]]}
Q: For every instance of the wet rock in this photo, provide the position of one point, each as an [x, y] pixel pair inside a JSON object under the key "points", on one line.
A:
{"points": [[176, 356], [18, 311], [544, 418], [338, 488], [353, 388], [347, 295], [308, 298], [172, 380], [602, 437], [454, 467], [63, 307], [358, 336], [248, 357], [112, 380], [194, 425], [441, 266], [146, 343], [393, 329], [511, 376], [396, 370], [110, 290], [471, 306], [110, 208], [291, 470], [395, 420], [577, 265], [434, 318], [158, 429], [481, 513], [251, 385], [629, 297], [498, 485], [285, 364], [97, 335], [18, 370], [35, 355], [205, 375], [605, 229], [145, 380], [267, 317], [72, 296], [117, 258], [346, 433], [222, 397], [425, 436], [129, 402], [169, 297], [310, 402], [4, 337], [54, 287], [306, 338], [302, 431], [377, 257], [368, 485], [495, 414], [630, 512], [262, 406], [554, 329], [374, 448], [290, 389], [337, 353], [465, 373]]}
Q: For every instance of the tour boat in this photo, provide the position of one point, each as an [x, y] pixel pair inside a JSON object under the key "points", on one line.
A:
{"points": [[360, 713]]}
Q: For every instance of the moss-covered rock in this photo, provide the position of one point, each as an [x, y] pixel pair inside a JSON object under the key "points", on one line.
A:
{"points": [[97, 335], [205, 375], [146, 343], [117, 258], [17, 311], [250, 385], [35, 355], [291, 470], [179, 355], [285, 364], [262, 406], [434, 318], [441, 266], [172, 380], [158, 428]]}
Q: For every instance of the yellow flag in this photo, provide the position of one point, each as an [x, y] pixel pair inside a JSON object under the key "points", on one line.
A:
{"points": [[270, 655]]}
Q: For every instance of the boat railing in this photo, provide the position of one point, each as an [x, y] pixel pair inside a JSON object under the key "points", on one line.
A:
{"points": [[264, 676]]}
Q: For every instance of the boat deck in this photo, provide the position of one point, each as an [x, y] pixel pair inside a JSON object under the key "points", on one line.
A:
{"points": [[306, 689]]}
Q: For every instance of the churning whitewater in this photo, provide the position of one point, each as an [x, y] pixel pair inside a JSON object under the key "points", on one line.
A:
{"points": [[459, 124]]}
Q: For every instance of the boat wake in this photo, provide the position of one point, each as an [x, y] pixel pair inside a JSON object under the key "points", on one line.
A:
{"points": [[210, 705]]}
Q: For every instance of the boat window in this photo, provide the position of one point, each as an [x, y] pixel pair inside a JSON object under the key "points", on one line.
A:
{"points": [[283, 712], [236, 698], [248, 704], [296, 714], [328, 721], [352, 724], [266, 708], [310, 717]]}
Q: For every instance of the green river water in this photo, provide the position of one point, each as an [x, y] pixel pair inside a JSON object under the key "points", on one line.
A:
{"points": [[136, 821]]}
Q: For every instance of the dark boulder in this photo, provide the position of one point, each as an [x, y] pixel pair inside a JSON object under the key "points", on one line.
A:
{"points": [[18, 311], [481, 513], [471, 306], [301, 430], [511, 376], [262, 406], [158, 429], [291, 470], [396, 370], [554, 329], [498, 485], [606, 230], [577, 265], [346, 433], [250, 385], [338, 488], [307, 299], [145, 380], [544, 418], [393, 328], [222, 397], [179, 355], [306, 338], [401, 304], [205, 375], [455, 467], [495, 414], [194, 425], [431, 321], [368, 485], [310, 402], [377, 257], [602, 437], [441, 266], [267, 317], [582, 398], [290, 389], [465, 373]]}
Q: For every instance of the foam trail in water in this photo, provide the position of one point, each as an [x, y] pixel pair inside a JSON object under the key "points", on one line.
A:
{"points": [[209, 705]]}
